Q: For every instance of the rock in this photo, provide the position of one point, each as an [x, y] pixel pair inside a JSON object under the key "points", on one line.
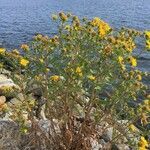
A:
{"points": [[122, 147], [4, 81], [2, 100], [17, 101], [9, 135], [95, 145], [107, 136], [102, 142]]}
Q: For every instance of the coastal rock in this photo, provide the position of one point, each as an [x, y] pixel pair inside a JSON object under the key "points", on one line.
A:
{"points": [[4, 81], [107, 136], [95, 145], [122, 147], [2, 100], [9, 135]]}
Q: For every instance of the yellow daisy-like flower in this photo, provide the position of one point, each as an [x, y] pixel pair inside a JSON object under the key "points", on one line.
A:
{"points": [[148, 44], [47, 69], [95, 21], [24, 62], [2, 50], [63, 16], [132, 128], [142, 148], [143, 144], [54, 17], [38, 77], [133, 61], [25, 47], [139, 77], [79, 71], [130, 45], [103, 27], [144, 118], [67, 27], [147, 102], [55, 78], [102, 31], [91, 77], [120, 59], [147, 34], [15, 51], [147, 105]]}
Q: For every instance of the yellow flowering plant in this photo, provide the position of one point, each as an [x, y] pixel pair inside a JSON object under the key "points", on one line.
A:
{"points": [[87, 75]]}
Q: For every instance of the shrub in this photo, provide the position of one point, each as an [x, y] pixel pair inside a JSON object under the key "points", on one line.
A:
{"points": [[87, 76]]}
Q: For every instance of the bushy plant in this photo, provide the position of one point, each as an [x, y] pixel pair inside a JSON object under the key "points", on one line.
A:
{"points": [[88, 79]]}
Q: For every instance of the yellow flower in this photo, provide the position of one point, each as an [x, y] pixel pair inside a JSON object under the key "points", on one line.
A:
{"points": [[25, 130], [132, 128], [103, 27], [95, 21], [91, 77], [144, 118], [38, 37], [54, 17], [147, 105], [67, 27], [41, 60], [147, 34], [38, 77], [25, 47], [15, 51], [120, 59], [6, 88], [24, 62], [133, 61], [121, 62], [148, 44], [106, 26], [142, 148], [139, 77], [147, 102], [102, 31], [63, 17], [2, 50], [130, 45], [79, 71], [47, 69], [55, 78], [143, 144]]}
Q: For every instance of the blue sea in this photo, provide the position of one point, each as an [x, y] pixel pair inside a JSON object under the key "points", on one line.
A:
{"points": [[21, 19]]}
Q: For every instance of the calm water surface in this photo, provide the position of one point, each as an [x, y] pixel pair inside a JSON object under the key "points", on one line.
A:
{"points": [[21, 19]]}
